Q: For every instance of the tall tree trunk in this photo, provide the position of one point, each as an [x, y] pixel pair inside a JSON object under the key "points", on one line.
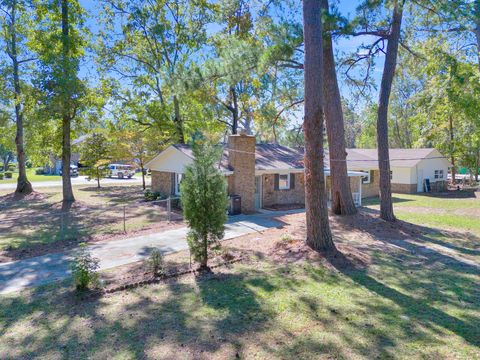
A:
{"points": [[342, 200], [98, 177], [477, 29], [178, 121], [319, 236], [23, 185], [477, 163], [235, 114], [143, 174], [386, 207], [452, 147], [66, 118]]}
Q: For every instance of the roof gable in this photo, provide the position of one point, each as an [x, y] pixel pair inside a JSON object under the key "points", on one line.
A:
{"points": [[170, 160]]}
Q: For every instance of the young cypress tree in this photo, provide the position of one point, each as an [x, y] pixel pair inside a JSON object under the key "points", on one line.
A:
{"points": [[204, 200]]}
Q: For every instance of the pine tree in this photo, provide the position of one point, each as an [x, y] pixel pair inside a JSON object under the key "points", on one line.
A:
{"points": [[319, 236], [204, 201]]}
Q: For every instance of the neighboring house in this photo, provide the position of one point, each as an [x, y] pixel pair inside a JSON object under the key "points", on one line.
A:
{"points": [[410, 169], [54, 164], [269, 175], [264, 175]]}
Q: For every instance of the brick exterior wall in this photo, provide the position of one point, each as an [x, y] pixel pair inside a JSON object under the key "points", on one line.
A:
{"points": [[241, 158], [295, 196], [439, 186], [230, 185], [373, 188], [354, 185], [404, 188], [162, 182]]}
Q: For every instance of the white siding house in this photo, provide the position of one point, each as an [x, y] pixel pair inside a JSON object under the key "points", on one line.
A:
{"points": [[410, 168]]}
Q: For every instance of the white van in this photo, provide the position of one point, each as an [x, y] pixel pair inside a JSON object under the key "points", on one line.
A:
{"points": [[120, 171]]}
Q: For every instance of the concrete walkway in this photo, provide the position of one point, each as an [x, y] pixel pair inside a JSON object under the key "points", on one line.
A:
{"points": [[18, 275]]}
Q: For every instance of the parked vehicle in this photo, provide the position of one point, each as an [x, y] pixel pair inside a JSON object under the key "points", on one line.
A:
{"points": [[73, 170], [121, 171]]}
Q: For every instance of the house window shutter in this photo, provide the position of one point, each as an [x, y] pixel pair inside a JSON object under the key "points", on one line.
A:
{"points": [[292, 181], [276, 182], [172, 188], [371, 176]]}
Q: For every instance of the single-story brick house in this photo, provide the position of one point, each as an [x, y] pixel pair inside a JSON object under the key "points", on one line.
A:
{"points": [[410, 169], [269, 175], [264, 175]]}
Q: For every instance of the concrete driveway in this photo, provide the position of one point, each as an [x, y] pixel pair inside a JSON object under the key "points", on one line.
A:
{"points": [[18, 275], [79, 180]]}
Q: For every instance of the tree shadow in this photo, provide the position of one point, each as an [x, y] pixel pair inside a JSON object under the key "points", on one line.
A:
{"points": [[422, 280], [199, 317]]}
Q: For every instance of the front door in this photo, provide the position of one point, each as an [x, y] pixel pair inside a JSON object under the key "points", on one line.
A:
{"points": [[258, 192], [419, 180]]}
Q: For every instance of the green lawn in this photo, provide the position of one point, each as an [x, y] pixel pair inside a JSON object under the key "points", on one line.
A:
{"points": [[395, 310], [31, 177], [443, 212], [36, 222], [415, 298]]}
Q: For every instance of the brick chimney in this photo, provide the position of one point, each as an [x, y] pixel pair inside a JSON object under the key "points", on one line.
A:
{"points": [[241, 158]]}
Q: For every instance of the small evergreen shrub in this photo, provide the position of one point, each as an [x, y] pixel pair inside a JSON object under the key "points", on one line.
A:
{"points": [[1, 176], [40, 171], [204, 199], [8, 174], [286, 237], [11, 167], [153, 195], [84, 269], [156, 263]]}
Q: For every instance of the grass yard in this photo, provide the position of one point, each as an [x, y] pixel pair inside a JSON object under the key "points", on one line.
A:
{"points": [[396, 296], [39, 222], [31, 177], [453, 211]]}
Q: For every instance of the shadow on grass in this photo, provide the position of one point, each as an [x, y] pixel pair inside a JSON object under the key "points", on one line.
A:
{"points": [[119, 194], [39, 226], [411, 294], [376, 200], [201, 316], [420, 278]]}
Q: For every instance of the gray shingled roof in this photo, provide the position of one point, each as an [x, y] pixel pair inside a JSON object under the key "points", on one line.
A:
{"points": [[267, 157], [279, 157], [358, 158]]}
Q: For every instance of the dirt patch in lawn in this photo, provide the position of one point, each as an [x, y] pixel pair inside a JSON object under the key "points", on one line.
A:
{"points": [[12, 199]]}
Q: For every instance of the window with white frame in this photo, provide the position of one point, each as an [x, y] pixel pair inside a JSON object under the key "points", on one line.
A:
{"points": [[178, 180], [366, 178], [438, 174], [284, 181]]}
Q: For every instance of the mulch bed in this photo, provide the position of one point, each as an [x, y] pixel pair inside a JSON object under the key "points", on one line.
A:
{"points": [[285, 207]]}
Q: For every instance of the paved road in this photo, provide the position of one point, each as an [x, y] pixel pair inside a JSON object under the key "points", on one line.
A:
{"points": [[79, 180], [18, 275]]}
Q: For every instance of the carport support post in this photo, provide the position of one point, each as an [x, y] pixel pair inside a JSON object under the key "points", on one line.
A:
{"points": [[169, 208], [360, 191]]}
